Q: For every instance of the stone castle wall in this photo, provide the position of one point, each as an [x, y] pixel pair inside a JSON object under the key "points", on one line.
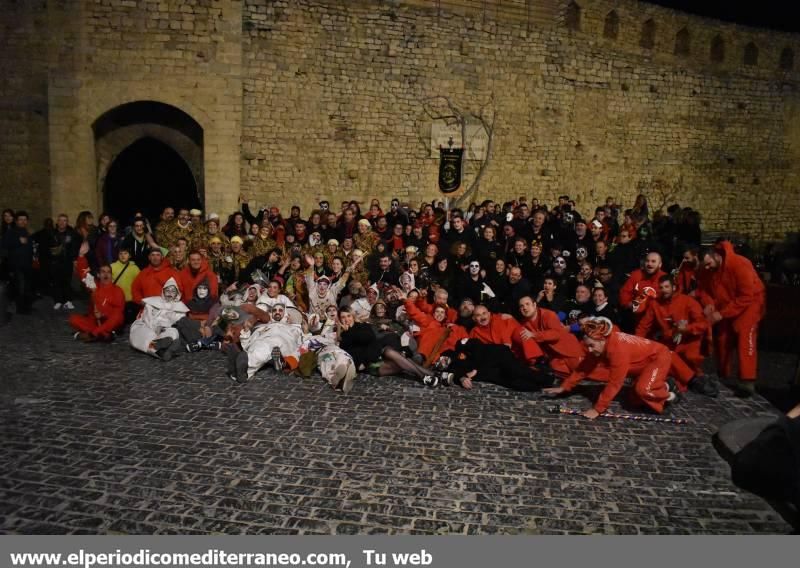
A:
{"points": [[302, 99]]}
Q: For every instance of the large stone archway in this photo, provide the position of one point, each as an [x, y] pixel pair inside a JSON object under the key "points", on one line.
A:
{"points": [[123, 126]]}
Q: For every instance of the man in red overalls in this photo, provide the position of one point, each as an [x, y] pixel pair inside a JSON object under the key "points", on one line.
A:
{"points": [[106, 303], [733, 300], [562, 348], [614, 355], [502, 329], [641, 287], [677, 321]]}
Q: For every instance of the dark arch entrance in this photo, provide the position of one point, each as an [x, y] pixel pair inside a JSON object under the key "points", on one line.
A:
{"points": [[146, 177], [149, 156]]}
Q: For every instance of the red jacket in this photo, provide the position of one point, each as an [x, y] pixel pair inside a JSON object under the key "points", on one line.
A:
{"points": [[635, 288], [551, 335], [500, 331], [733, 287], [431, 331], [662, 315], [687, 279], [624, 355], [150, 281], [426, 307], [107, 299], [506, 331], [188, 282]]}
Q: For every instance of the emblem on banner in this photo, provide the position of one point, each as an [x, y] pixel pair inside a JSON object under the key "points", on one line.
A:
{"points": [[450, 160]]}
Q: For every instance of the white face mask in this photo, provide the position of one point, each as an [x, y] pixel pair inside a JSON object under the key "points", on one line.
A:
{"points": [[474, 268], [171, 293], [202, 292]]}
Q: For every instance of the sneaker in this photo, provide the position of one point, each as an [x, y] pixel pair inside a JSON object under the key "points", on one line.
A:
{"points": [[214, 346], [674, 395], [76, 335], [705, 386], [57, 306], [236, 380], [448, 379], [277, 359], [69, 306], [430, 381], [194, 347]]}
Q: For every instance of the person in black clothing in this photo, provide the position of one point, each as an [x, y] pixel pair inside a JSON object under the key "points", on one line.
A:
{"points": [[63, 248], [42, 239], [138, 243], [493, 363], [381, 353], [606, 277], [17, 247], [602, 306], [520, 257], [626, 255], [518, 287], [269, 264]]}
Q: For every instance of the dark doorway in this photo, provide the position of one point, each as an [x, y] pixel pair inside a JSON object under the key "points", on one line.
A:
{"points": [[148, 176]]}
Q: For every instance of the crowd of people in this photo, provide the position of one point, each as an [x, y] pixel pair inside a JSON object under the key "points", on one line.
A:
{"points": [[519, 294]]}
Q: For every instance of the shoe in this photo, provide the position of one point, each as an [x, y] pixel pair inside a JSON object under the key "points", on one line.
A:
{"points": [[57, 306], [69, 306], [214, 346], [241, 365], [237, 380], [705, 386], [277, 359], [76, 335], [448, 379], [349, 379], [744, 389], [194, 347], [674, 395], [430, 381]]}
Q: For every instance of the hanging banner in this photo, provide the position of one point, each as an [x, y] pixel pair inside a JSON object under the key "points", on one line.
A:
{"points": [[450, 169]]}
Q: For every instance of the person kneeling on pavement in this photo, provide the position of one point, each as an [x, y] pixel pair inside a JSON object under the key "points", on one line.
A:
{"points": [[473, 360], [612, 356]]}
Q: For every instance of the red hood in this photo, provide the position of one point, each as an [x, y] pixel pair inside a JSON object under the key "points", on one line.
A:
{"points": [[725, 249]]}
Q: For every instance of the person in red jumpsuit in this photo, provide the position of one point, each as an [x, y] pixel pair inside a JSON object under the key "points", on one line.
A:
{"points": [[502, 329], [686, 279], [150, 281], [106, 303], [436, 336], [561, 347], [641, 286], [734, 300], [614, 355], [677, 321]]}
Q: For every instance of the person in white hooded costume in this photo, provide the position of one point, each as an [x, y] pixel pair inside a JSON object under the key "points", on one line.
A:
{"points": [[152, 332], [278, 341]]}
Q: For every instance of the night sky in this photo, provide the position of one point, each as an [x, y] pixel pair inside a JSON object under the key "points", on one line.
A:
{"points": [[772, 14]]}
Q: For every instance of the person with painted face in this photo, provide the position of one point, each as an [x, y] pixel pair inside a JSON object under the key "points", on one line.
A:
{"points": [[560, 273], [154, 332], [472, 284], [196, 273], [322, 293]]}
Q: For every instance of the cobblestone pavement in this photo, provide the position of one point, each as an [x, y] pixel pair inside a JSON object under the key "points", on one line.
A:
{"points": [[98, 438]]}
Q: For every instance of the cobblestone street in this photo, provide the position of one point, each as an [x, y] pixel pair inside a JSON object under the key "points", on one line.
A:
{"points": [[98, 438]]}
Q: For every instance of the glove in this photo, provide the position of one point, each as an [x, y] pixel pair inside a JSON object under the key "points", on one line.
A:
{"points": [[487, 291], [89, 282]]}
